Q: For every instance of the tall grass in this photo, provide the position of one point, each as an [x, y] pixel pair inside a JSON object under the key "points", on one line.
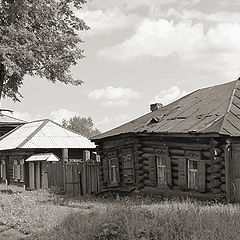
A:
{"points": [[171, 220]]}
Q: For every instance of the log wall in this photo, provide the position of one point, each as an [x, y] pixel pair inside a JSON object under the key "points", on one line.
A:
{"points": [[210, 151]]}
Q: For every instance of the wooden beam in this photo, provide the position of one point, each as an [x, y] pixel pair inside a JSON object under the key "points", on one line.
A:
{"points": [[37, 175], [86, 157], [31, 176], [227, 170]]}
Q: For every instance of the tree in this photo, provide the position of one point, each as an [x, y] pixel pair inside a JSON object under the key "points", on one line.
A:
{"points": [[38, 37], [83, 126]]}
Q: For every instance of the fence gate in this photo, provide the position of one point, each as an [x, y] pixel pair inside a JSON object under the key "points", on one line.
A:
{"points": [[81, 178], [72, 179], [92, 183]]}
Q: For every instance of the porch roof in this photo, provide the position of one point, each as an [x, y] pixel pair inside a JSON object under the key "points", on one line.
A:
{"points": [[47, 157]]}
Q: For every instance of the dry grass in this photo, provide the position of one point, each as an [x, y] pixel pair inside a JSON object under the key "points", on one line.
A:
{"points": [[124, 218], [31, 212]]}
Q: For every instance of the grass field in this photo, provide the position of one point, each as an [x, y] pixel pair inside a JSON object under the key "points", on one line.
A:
{"points": [[42, 215]]}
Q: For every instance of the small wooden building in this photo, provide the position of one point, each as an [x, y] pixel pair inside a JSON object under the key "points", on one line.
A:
{"points": [[191, 146], [8, 123], [33, 155]]}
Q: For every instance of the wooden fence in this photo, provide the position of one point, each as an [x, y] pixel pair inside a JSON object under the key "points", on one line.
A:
{"points": [[81, 178]]}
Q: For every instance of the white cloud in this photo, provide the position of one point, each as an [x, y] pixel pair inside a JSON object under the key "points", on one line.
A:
{"points": [[169, 95], [216, 48], [56, 115], [218, 17], [60, 114], [101, 21], [122, 117], [25, 116], [129, 5], [157, 38], [104, 121], [114, 96]]}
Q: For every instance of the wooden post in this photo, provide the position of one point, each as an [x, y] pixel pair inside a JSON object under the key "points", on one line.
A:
{"points": [[65, 155], [38, 175], [86, 157], [31, 175], [64, 160], [227, 170]]}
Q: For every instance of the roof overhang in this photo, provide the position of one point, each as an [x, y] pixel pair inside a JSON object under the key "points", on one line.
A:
{"points": [[43, 157]]}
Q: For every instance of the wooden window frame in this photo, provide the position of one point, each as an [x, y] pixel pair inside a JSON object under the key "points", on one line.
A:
{"points": [[128, 166], [193, 173], [112, 171], [161, 170]]}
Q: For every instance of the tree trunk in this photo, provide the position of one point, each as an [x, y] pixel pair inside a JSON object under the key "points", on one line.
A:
{"points": [[2, 75]]}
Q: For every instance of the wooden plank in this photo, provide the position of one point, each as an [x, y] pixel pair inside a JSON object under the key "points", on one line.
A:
{"points": [[193, 154], [86, 157], [201, 165], [37, 177], [169, 171], [105, 170], [182, 173], [227, 171], [117, 169], [44, 175], [152, 169], [31, 176]]}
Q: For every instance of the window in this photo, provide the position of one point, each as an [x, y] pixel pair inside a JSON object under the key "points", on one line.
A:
{"points": [[128, 174], [193, 174], [112, 171], [3, 169], [161, 171]]}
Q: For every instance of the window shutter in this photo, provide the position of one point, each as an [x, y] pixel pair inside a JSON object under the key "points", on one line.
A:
{"points": [[105, 170], [182, 173], [169, 171], [201, 175], [152, 169], [15, 169], [117, 170], [18, 172], [3, 169], [22, 170]]}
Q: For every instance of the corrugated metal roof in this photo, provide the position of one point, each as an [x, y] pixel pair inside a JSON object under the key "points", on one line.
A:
{"points": [[43, 134], [7, 120], [209, 110], [47, 157]]}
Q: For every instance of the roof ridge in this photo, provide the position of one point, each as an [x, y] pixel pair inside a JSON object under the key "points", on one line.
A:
{"points": [[229, 106], [33, 133], [67, 129]]}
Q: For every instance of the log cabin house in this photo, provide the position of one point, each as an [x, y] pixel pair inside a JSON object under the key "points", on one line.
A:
{"points": [[189, 147], [32, 155]]}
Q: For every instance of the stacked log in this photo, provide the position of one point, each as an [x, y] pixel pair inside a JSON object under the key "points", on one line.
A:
{"points": [[120, 164], [146, 178], [100, 152], [175, 155], [217, 168], [139, 164]]}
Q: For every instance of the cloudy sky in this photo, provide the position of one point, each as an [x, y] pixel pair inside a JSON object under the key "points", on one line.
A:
{"points": [[139, 52]]}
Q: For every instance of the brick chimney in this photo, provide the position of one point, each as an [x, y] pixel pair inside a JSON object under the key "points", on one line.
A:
{"points": [[155, 106]]}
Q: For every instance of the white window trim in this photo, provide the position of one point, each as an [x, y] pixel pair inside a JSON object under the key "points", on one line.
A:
{"points": [[112, 171], [160, 166], [194, 172]]}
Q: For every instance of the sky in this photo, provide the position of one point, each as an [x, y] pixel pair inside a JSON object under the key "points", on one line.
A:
{"points": [[139, 52]]}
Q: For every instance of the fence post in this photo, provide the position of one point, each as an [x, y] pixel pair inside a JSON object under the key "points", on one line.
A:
{"points": [[64, 161], [86, 157]]}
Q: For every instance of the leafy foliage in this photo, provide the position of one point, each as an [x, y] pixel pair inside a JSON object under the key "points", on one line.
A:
{"points": [[38, 37], [83, 126]]}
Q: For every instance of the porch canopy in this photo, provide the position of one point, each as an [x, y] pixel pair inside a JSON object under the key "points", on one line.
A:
{"points": [[46, 157]]}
